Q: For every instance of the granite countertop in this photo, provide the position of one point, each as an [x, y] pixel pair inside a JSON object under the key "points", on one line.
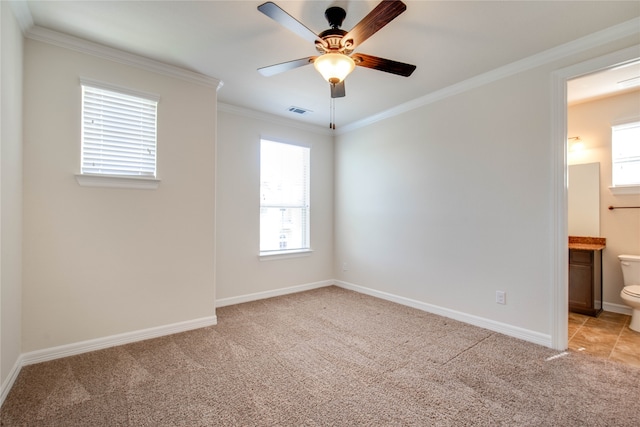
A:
{"points": [[587, 243]]}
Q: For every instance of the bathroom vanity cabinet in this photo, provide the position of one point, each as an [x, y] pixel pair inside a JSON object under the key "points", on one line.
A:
{"points": [[585, 281]]}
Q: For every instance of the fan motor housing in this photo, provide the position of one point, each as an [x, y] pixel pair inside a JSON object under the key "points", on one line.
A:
{"points": [[333, 38], [335, 15]]}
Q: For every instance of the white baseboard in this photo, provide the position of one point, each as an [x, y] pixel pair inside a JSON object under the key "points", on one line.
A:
{"points": [[617, 308], [114, 340], [66, 350], [492, 325], [274, 293], [8, 382]]}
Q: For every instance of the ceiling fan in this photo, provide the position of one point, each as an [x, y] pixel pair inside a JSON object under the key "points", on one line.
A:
{"points": [[336, 46]]}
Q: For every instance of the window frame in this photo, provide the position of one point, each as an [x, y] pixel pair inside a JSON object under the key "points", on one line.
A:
{"points": [[622, 188], [295, 252], [113, 180]]}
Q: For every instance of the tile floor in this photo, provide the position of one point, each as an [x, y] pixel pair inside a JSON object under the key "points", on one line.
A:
{"points": [[607, 336]]}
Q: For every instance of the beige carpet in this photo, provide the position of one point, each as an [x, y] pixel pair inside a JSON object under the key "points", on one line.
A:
{"points": [[326, 357]]}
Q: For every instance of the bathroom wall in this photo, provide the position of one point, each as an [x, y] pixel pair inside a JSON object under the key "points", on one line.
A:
{"points": [[592, 122]]}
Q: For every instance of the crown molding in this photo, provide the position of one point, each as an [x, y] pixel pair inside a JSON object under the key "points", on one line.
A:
{"points": [[83, 46], [247, 112], [625, 29]]}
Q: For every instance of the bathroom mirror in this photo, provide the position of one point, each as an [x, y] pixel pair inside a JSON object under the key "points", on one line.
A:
{"points": [[584, 200]]}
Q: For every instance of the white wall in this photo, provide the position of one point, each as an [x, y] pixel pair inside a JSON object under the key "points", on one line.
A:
{"points": [[448, 203], [11, 52], [452, 201], [240, 272], [592, 122], [102, 261]]}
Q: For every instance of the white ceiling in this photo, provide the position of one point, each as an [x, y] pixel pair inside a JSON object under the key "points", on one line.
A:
{"points": [[604, 83], [449, 41]]}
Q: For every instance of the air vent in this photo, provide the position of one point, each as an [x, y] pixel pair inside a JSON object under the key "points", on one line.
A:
{"points": [[299, 110]]}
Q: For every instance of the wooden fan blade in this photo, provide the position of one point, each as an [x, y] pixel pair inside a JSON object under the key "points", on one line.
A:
{"points": [[337, 90], [274, 12], [381, 64], [285, 66], [381, 15]]}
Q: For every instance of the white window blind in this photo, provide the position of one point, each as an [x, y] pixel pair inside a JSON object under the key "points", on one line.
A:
{"points": [[625, 153], [284, 197], [118, 133]]}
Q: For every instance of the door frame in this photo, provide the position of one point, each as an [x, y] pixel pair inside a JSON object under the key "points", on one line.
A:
{"points": [[560, 249]]}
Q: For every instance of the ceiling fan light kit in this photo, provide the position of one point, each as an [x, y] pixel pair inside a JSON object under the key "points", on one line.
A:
{"points": [[334, 67], [336, 46]]}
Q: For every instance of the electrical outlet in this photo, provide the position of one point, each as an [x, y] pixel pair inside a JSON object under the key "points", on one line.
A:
{"points": [[344, 266], [501, 297]]}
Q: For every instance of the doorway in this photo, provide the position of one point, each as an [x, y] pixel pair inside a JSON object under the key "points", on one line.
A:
{"points": [[559, 332]]}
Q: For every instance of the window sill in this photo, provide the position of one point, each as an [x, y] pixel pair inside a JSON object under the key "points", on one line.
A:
{"points": [[270, 256], [115, 181], [621, 190]]}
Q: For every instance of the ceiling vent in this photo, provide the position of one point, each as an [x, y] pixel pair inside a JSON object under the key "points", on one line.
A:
{"points": [[298, 110]]}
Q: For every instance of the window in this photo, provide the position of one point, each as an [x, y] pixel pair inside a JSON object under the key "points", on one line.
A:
{"points": [[118, 132], [284, 198], [625, 155]]}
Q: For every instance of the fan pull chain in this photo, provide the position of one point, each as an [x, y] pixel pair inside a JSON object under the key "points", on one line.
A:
{"points": [[332, 113]]}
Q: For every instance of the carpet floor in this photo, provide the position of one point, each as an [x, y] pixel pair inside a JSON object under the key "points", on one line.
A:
{"points": [[326, 357]]}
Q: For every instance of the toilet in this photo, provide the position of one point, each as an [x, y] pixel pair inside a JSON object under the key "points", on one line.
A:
{"points": [[630, 294]]}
